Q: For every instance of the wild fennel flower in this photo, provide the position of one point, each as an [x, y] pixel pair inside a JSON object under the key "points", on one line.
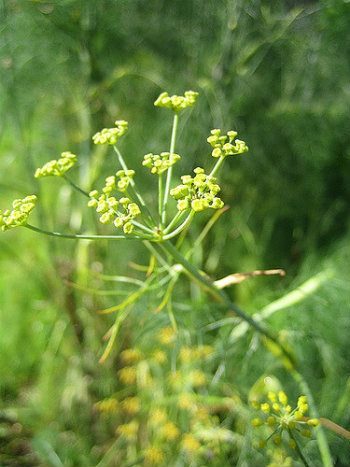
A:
{"points": [[169, 431], [111, 135], [189, 443], [186, 401], [197, 378], [129, 356], [57, 167], [131, 405], [128, 430], [108, 406], [18, 216], [158, 417], [127, 375], [176, 103], [166, 336], [278, 415], [222, 147], [108, 207], [125, 177], [159, 356], [153, 456], [160, 163], [198, 193]]}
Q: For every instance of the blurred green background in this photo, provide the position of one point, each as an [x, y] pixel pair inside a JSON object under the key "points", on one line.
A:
{"points": [[277, 71]]}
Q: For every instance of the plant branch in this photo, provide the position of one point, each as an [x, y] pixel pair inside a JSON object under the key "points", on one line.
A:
{"points": [[81, 237], [170, 171], [76, 187], [221, 297]]}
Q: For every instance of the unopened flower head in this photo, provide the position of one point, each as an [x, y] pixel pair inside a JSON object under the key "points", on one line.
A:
{"points": [[198, 192], [160, 163], [125, 177], [111, 135], [176, 103], [57, 167], [119, 212], [226, 145], [21, 208]]}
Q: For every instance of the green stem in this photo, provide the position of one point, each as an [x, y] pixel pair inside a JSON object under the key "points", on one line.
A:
{"points": [[76, 187], [144, 228], [297, 448], [160, 199], [217, 166], [158, 256], [181, 227], [133, 186], [176, 218], [81, 237], [221, 296], [170, 171], [320, 434]]}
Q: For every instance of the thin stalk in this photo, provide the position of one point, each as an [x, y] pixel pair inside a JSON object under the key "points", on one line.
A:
{"points": [[217, 166], [158, 256], [320, 434], [133, 186], [76, 187], [181, 227], [143, 227], [81, 237], [297, 448], [170, 171], [176, 218], [160, 199], [206, 229], [221, 296]]}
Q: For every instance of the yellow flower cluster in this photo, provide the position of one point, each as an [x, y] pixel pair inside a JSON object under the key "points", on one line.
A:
{"points": [[278, 414], [188, 354], [197, 378], [111, 135], [108, 207], [189, 443], [224, 148], [131, 405], [128, 430], [153, 456], [197, 192], [107, 406], [57, 167], [127, 375], [176, 103], [166, 335], [169, 431], [159, 356], [160, 163], [19, 214], [158, 417], [129, 356]]}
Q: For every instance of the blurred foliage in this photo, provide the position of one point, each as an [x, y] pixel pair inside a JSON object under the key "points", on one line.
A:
{"points": [[276, 71]]}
